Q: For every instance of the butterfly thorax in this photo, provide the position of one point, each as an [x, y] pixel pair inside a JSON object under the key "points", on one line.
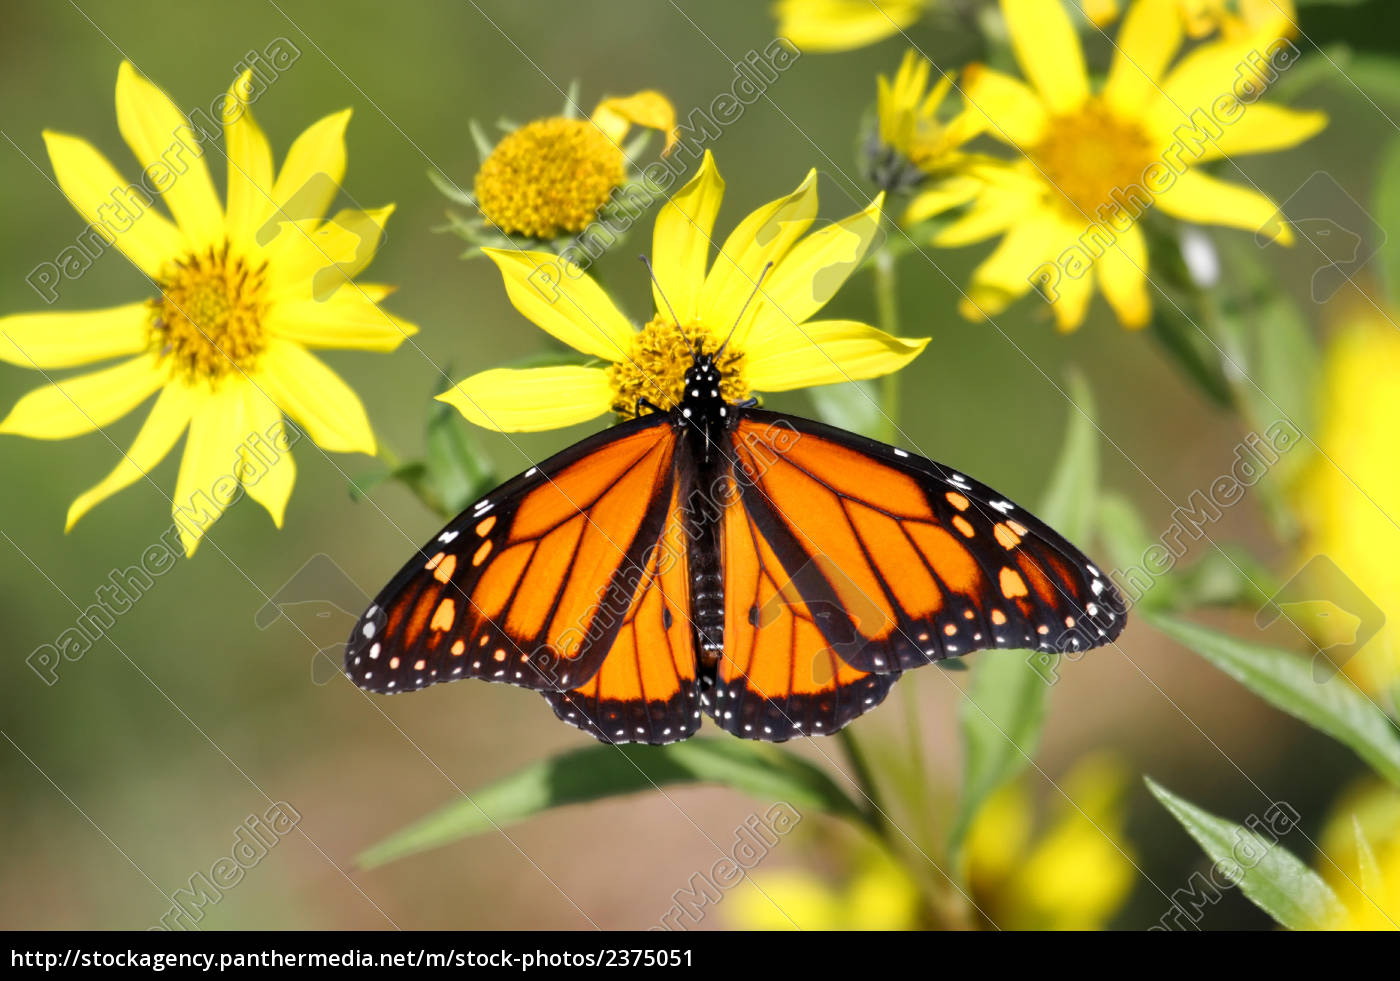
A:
{"points": [[704, 418], [703, 414]]}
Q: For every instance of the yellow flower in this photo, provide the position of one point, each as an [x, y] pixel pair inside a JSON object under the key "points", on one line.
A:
{"points": [[246, 287], [1233, 18], [1091, 164], [1361, 845], [878, 895], [1074, 877], [840, 25], [1352, 487], [768, 280], [551, 177], [912, 143]]}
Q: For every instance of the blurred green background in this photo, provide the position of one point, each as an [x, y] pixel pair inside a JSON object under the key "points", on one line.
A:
{"points": [[133, 772]]}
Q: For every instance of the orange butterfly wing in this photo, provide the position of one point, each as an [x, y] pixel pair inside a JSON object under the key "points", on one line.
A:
{"points": [[779, 675], [912, 561], [533, 584], [646, 690]]}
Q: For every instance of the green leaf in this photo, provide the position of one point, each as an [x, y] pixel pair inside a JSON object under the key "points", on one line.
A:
{"points": [[1285, 680], [1361, 76], [594, 772], [457, 471], [447, 187], [851, 405], [1271, 876], [1071, 502], [1004, 710], [1386, 210]]}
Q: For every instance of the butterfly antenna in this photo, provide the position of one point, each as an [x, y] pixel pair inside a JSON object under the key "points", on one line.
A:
{"points": [[669, 309], [757, 284]]}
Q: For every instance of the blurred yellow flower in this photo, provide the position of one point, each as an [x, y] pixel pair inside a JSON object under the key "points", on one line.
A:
{"points": [[1361, 845], [1351, 491], [1233, 18], [911, 143], [246, 288], [878, 895], [1076, 875], [1092, 164], [551, 177], [768, 280], [840, 25]]}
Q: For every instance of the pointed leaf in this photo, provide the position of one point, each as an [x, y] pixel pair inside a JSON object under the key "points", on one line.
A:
{"points": [[1271, 876], [1285, 680], [595, 772]]}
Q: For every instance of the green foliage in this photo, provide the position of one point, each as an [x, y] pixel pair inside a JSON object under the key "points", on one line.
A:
{"points": [[1004, 711], [1271, 876], [595, 772], [1285, 680]]}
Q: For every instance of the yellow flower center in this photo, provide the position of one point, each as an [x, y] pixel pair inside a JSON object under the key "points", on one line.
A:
{"points": [[1093, 157], [660, 356], [208, 318], [549, 177]]}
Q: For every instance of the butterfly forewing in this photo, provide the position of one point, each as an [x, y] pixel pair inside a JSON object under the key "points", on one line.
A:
{"points": [[646, 690], [530, 585], [912, 561]]}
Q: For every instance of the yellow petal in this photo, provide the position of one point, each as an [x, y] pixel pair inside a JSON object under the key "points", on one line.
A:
{"points": [[531, 399], [943, 196], [1047, 49], [348, 319], [1101, 12], [1007, 273], [265, 461], [1146, 44], [824, 352], [840, 25], [995, 210], [1013, 112], [122, 212], [314, 260], [170, 155], [809, 275], [1072, 302], [159, 433], [648, 108], [1212, 70], [311, 175], [680, 242], [563, 300], [762, 237], [1263, 128], [59, 340], [1122, 275], [250, 174], [208, 480], [72, 406], [1208, 201], [315, 398]]}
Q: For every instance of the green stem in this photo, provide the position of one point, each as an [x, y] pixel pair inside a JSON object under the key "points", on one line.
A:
{"points": [[887, 307], [877, 813], [420, 488]]}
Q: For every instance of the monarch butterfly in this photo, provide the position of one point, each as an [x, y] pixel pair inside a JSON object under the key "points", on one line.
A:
{"points": [[774, 572]]}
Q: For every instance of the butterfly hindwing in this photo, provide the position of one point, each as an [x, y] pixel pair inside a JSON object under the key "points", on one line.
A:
{"points": [[912, 561], [780, 675], [529, 586], [646, 690]]}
